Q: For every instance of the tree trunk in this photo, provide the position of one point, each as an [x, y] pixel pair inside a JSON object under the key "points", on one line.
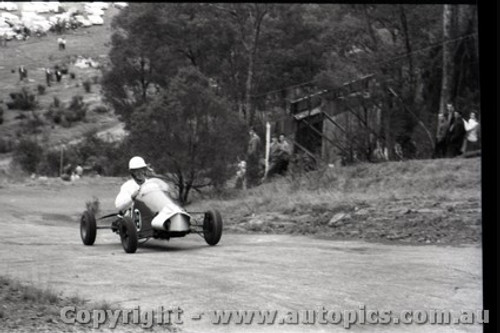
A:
{"points": [[370, 28], [259, 15], [448, 64], [411, 71], [248, 90]]}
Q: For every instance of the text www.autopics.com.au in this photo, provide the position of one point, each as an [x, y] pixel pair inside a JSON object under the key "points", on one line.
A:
{"points": [[320, 316]]}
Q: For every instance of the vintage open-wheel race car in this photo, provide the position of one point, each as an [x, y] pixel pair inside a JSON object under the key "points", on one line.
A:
{"points": [[153, 215]]}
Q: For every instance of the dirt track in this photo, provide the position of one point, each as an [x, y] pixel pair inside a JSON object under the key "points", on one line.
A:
{"points": [[41, 244]]}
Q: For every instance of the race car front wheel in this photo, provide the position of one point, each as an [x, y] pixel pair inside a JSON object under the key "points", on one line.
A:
{"points": [[128, 235], [212, 227], [88, 228]]}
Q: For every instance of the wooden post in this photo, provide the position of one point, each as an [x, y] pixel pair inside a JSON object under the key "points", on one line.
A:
{"points": [[61, 161], [268, 139]]}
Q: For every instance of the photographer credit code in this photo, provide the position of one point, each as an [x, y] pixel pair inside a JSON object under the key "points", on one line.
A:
{"points": [[320, 316]]}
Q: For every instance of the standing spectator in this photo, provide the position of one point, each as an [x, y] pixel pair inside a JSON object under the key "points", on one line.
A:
{"points": [[273, 155], [440, 148], [285, 154], [274, 146], [79, 170], [455, 135], [48, 76], [23, 73], [67, 172], [63, 43], [241, 182], [253, 156], [26, 33], [58, 74], [471, 142], [59, 43], [378, 153], [398, 151]]}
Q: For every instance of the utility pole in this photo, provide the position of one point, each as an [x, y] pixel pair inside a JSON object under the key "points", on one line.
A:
{"points": [[61, 161], [268, 139]]}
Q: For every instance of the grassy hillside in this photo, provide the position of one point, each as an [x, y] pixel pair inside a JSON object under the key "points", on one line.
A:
{"points": [[421, 201], [38, 53]]}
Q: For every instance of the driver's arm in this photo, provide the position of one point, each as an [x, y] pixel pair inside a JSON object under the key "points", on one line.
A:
{"points": [[127, 194]]}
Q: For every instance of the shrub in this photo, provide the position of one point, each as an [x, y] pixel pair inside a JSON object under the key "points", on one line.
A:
{"points": [[50, 163], [23, 100], [87, 86], [54, 114], [93, 205], [57, 102], [28, 154], [72, 75], [55, 111], [6, 145], [76, 111], [41, 89], [32, 125]]}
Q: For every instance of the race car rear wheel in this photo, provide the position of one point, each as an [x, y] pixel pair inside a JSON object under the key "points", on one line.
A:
{"points": [[212, 227], [128, 235], [88, 228]]}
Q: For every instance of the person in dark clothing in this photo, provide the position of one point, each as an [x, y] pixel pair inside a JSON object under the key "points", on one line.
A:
{"points": [[440, 148], [48, 76], [58, 75], [23, 73], [455, 136], [273, 156], [285, 153], [253, 159]]}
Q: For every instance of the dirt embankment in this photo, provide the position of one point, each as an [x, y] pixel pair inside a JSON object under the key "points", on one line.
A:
{"points": [[414, 202], [396, 221]]}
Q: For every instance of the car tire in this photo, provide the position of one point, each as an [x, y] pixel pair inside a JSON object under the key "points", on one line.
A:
{"points": [[212, 227], [128, 235], [88, 228]]}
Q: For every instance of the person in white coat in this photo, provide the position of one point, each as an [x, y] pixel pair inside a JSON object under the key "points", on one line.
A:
{"points": [[131, 188], [471, 141]]}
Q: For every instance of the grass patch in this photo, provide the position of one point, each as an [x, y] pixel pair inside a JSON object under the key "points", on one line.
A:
{"points": [[26, 308]]}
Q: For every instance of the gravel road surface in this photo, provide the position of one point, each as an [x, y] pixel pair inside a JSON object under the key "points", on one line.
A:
{"points": [[41, 244]]}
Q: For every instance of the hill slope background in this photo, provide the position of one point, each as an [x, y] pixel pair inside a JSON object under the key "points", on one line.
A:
{"points": [[37, 53]]}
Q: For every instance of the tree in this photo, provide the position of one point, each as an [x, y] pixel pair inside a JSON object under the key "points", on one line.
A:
{"points": [[140, 60], [28, 153], [189, 134], [250, 53], [245, 49]]}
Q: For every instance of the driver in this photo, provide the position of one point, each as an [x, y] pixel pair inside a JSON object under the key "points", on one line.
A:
{"points": [[130, 189]]}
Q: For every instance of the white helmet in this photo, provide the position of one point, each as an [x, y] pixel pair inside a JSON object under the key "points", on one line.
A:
{"points": [[136, 162]]}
